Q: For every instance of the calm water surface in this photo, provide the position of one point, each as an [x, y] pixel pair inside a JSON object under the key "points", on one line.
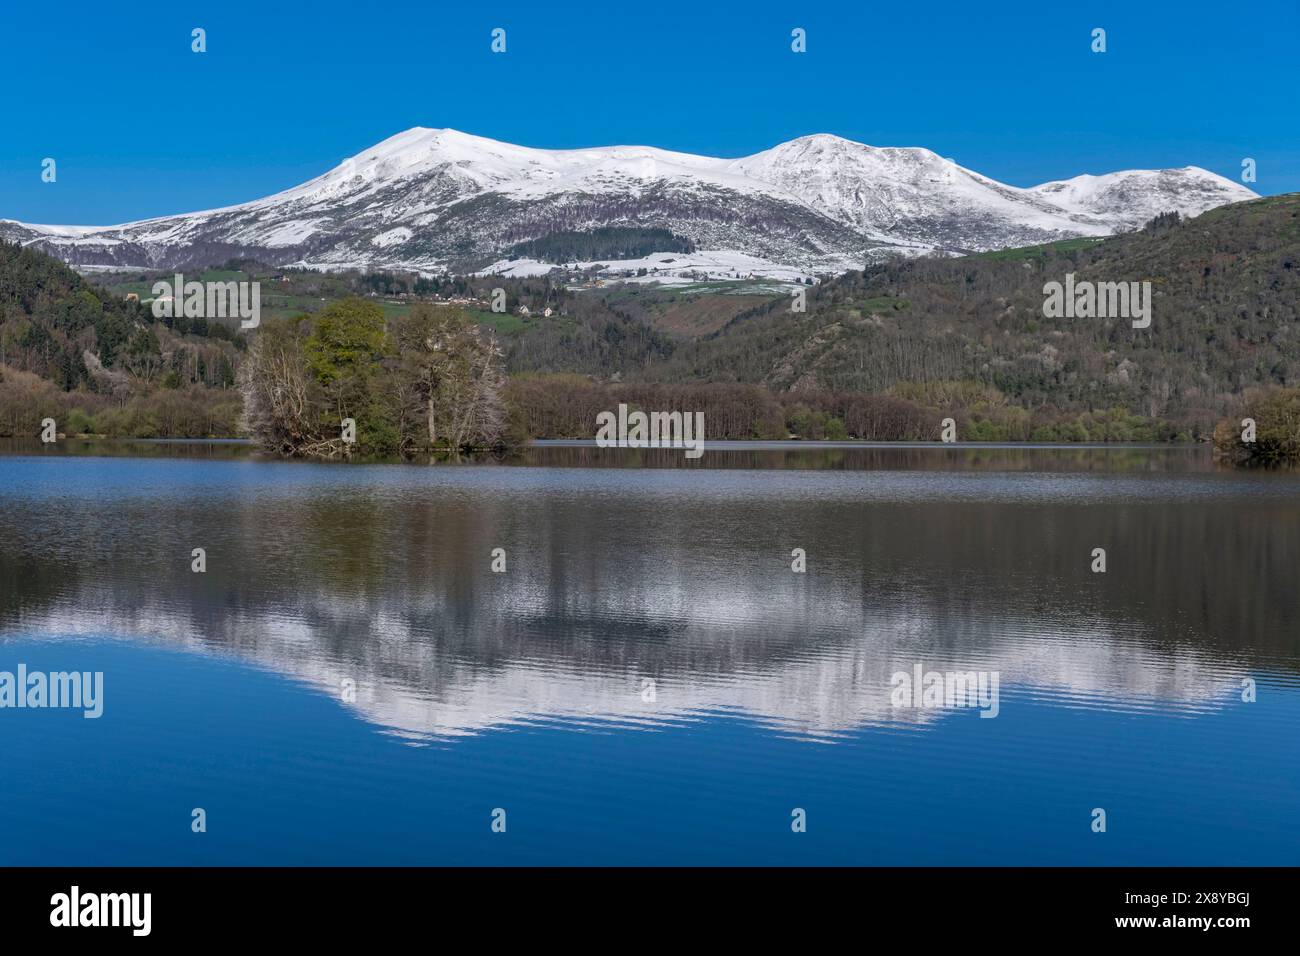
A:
{"points": [[349, 681]]}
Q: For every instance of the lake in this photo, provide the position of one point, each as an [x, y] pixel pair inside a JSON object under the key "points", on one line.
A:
{"points": [[645, 679]]}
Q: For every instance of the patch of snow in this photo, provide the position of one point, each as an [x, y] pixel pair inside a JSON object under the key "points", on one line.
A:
{"points": [[667, 268], [393, 237]]}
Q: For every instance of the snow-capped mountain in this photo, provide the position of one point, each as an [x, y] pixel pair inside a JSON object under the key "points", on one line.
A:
{"points": [[436, 199]]}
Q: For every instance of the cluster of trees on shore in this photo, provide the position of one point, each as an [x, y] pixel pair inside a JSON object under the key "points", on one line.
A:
{"points": [[565, 406], [342, 384], [1267, 431], [27, 399]]}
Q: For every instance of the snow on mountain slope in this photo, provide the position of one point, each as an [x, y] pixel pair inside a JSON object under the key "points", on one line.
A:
{"points": [[909, 193], [437, 199], [479, 164], [1128, 199]]}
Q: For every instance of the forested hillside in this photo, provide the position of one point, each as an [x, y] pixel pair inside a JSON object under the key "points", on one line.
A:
{"points": [[97, 362], [1226, 299]]}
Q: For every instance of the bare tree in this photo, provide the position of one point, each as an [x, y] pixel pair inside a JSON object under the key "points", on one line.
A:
{"points": [[278, 407], [453, 375]]}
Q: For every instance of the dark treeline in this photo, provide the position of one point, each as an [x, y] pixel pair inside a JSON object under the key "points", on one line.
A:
{"points": [[608, 242]]}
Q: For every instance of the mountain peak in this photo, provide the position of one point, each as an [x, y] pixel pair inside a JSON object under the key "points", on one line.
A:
{"points": [[822, 140], [430, 199], [423, 139], [1135, 196]]}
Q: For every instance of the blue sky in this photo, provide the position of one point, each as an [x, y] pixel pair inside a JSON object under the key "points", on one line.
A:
{"points": [[141, 126]]}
